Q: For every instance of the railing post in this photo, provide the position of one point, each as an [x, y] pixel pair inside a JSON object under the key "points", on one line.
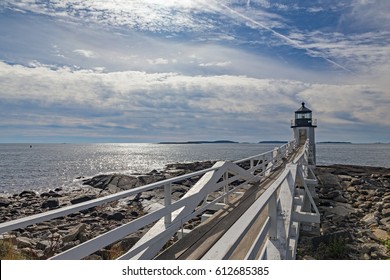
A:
{"points": [[272, 213], [225, 187], [263, 166], [167, 202]]}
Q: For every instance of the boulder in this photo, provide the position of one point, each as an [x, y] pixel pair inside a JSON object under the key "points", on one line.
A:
{"points": [[43, 245], [73, 233], [341, 199], [115, 216], [386, 213], [370, 219], [386, 222], [27, 194], [357, 182], [82, 198], [380, 234], [51, 203], [4, 202], [23, 242]]}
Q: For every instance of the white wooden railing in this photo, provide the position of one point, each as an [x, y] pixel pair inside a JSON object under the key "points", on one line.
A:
{"points": [[169, 219]]}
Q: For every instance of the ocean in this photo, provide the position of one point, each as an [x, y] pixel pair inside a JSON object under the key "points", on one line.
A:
{"points": [[43, 167]]}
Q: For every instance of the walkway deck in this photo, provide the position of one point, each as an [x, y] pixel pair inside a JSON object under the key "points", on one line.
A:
{"points": [[201, 243]]}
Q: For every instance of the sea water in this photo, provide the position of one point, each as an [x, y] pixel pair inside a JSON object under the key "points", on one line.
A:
{"points": [[48, 166]]}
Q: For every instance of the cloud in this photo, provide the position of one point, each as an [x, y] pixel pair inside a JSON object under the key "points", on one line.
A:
{"points": [[216, 64], [152, 15], [85, 53], [136, 104], [171, 69], [158, 61]]}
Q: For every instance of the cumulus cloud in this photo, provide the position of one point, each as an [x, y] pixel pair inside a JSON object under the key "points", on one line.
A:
{"points": [[171, 69], [173, 104]]}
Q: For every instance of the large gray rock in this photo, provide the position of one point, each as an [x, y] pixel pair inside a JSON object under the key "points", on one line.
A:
{"points": [[370, 219], [51, 203], [4, 202], [24, 242], [73, 233]]}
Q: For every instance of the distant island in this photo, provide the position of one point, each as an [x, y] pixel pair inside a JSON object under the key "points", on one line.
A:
{"points": [[273, 142], [334, 142], [202, 142]]}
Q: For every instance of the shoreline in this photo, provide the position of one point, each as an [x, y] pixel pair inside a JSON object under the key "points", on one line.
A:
{"points": [[354, 202]]}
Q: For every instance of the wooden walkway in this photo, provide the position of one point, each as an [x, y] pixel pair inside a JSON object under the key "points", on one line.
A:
{"points": [[201, 242]]}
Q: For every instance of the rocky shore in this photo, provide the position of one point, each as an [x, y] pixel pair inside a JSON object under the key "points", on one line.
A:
{"points": [[41, 241], [354, 202]]}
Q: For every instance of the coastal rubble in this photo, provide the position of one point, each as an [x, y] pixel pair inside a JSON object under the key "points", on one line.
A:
{"points": [[354, 207], [354, 203], [41, 241]]}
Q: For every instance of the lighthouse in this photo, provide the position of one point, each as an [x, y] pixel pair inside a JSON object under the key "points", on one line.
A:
{"points": [[303, 128]]}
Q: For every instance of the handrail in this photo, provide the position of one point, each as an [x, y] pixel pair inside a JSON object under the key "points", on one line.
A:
{"points": [[265, 162]]}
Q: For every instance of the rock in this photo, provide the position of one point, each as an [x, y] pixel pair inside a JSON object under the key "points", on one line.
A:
{"points": [[27, 194], [123, 182], [380, 234], [66, 246], [125, 244], [24, 242], [83, 198], [152, 207], [134, 214], [4, 202], [73, 233], [100, 181], [112, 189], [51, 203], [356, 182], [332, 194], [341, 199], [370, 219], [386, 213], [327, 238], [340, 210], [386, 198], [375, 250], [43, 245], [386, 222], [345, 178], [116, 216], [54, 194], [329, 181]]}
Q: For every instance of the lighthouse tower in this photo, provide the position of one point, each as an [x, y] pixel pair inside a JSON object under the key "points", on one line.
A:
{"points": [[303, 128]]}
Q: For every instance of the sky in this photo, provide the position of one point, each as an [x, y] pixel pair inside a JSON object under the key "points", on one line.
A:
{"points": [[181, 70]]}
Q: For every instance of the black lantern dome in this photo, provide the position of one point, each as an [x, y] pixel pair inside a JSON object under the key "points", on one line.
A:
{"points": [[303, 117]]}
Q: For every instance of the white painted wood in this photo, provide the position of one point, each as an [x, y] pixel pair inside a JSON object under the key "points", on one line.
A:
{"points": [[280, 199]]}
